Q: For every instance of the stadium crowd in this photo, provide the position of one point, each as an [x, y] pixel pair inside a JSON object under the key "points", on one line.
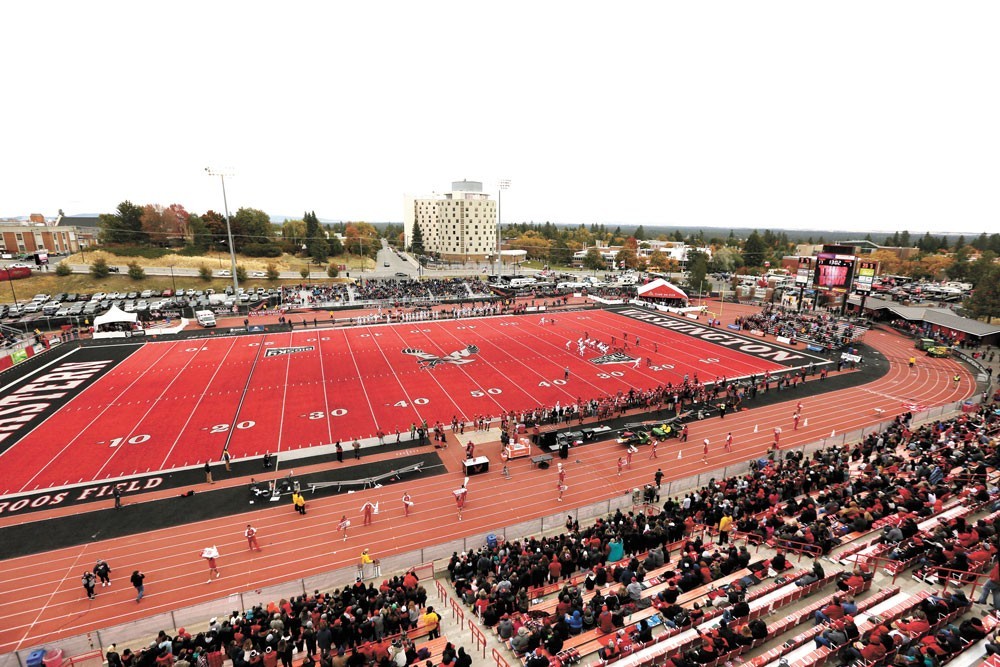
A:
{"points": [[358, 625], [391, 291], [800, 504], [821, 329]]}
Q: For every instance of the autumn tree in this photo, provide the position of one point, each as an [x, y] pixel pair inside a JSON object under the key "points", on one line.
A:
{"points": [[888, 261], [361, 238], [251, 225], [627, 258], [152, 224], [294, 231], [533, 244], [725, 260], [593, 260], [661, 261], [176, 222]]}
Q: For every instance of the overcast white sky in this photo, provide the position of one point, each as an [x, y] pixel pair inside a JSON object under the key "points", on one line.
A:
{"points": [[859, 116]]}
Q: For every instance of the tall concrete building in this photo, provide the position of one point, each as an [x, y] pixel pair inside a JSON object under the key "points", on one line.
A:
{"points": [[461, 224]]}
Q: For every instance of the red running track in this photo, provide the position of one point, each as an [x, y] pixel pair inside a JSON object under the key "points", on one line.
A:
{"points": [[179, 404], [41, 598]]}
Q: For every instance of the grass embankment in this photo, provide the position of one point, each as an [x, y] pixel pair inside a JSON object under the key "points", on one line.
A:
{"points": [[47, 282], [221, 260]]}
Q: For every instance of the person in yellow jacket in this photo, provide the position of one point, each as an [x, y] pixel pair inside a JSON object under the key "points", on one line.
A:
{"points": [[725, 525], [365, 560], [299, 502]]}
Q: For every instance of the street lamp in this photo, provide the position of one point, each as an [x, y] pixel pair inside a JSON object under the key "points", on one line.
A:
{"points": [[502, 184], [229, 229], [173, 284]]}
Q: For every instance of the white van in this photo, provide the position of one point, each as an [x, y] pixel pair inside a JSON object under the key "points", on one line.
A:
{"points": [[206, 318], [521, 282], [628, 279]]}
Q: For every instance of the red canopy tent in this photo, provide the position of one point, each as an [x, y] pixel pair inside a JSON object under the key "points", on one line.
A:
{"points": [[661, 292]]}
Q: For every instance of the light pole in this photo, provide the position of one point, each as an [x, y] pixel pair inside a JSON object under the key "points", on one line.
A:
{"points": [[502, 184], [173, 284], [11, 281], [229, 229]]}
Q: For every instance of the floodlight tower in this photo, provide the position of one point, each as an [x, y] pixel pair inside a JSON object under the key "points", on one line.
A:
{"points": [[502, 184], [229, 230]]}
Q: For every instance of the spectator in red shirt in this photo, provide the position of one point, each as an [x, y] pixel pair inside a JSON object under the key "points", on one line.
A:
{"points": [[831, 612], [555, 570], [915, 625]]}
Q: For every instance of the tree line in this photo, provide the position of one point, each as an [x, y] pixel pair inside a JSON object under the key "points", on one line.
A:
{"points": [[253, 233]]}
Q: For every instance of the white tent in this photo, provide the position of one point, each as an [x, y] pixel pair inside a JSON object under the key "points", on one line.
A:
{"points": [[115, 314]]}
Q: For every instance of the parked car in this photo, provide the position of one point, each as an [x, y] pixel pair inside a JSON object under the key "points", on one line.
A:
{"points": [[16, 310], [146, 293]]}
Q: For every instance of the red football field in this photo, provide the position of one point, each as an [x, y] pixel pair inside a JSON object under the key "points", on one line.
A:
{"points": [[176, 404]]}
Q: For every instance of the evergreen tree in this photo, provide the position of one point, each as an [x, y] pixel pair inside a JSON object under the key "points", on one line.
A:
{"points": [[985, 300], [904, 239], [560, 253], [640, 233], [319, 250], [417, 242], [981, 243], [697, 269], [927, 243], [335, 246], [754, 250], [123, 226], [312, 224]]}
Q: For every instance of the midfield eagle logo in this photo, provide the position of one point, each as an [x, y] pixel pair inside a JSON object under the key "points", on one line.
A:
{"points": [[428, 360]]}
